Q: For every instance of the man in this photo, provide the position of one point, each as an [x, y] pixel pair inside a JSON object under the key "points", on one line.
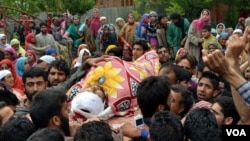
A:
{"points": [[228, 66], [90, 130], [17, 129], [49, 109], [208, 86], [225, 112], [164, 55], [181, 100], [139, 48], [166, 126], [44, 62], [34, 80], [208, 37], [153, 95], [200, 125], [58, 72], [177, 31], [44, 38]]}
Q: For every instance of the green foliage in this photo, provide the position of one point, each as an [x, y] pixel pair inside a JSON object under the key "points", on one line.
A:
{"points": [[175, 7], [36, 6]]}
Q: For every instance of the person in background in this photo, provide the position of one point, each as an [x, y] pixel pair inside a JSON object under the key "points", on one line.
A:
{"points": [[220, 27], [7, 83], [151, 30], [3, 41], [10, 53], [18, 48], [6, 64], [177, 31], [31, 58], [21, 65], [194, 38], [162, 30]]}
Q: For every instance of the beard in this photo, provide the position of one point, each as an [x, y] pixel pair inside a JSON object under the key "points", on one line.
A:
{"points": [[64, 125], [30, 95]]}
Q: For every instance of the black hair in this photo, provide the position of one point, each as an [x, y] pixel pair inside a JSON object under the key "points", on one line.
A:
{"points": [[47, 134], [9, 98], [34, 72], [187, 99], [94, 131], [43, 24], [166, 126], [212, 77], [116, 51], [61, 65], [200, 125], [228, 108], [17, 129], [152, 92], [45, 105], [142, 43], [207, 27]]}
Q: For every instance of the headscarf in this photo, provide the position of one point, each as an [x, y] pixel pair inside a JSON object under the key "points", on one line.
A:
{"points": [[141, 24], [200, 23], [80, 47], [1, 44], [223, 35], [50, 51], [79, 61], [130, 15], [12, 52], [119, 19], [18, 83], [28, 41], [20, 49], [32, 64], [109, 48], [95, 23], [20, 66]]}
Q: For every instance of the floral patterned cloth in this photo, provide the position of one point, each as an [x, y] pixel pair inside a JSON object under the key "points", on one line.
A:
{"points": [[119, 79]]}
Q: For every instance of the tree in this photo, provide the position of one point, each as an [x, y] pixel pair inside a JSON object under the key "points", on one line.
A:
{"points": [[36, 6]]}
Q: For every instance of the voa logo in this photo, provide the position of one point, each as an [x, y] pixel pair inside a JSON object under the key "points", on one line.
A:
{"points": [[236, 132]]}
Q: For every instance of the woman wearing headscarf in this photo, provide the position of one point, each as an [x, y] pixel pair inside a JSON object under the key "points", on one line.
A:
{"points": [[162, 30], [128, 30], [194, 39], [119, 23], [241, 24], [73, 33], [141, 28], [95, 23], [30, 44], [82, 46], [10, 53], [3, 41], [20, 65], [220, 27], [83, 55], [31, 58], [7, 80], [223, 37], [7, 64], [151, 29], [15, 43]]}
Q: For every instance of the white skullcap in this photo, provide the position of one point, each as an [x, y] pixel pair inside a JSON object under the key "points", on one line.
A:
{"points": [[103, 18], [47, 58], [238, 31], [4, 73]]}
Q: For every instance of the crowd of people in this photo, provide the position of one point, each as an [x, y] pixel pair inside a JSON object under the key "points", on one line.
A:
{"points": [[67, 78]]}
